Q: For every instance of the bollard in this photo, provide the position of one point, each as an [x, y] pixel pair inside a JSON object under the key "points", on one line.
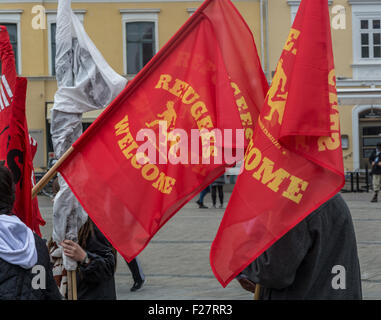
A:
{"points": [[352, 190], [357, 182]]}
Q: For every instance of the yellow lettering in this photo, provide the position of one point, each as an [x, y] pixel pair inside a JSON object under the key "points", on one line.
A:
{"points": [[122, 126], [251, 164], [293, 191], [190, 96], [127, 152], [241, 103], [169, 183], [335, 120], [290, 43], [205, 123], [333, 98], [127, 139], [150, 172], [178, 88], [164, 81], [246, 119], [198, 109], [249, 133], [332, 78], [330, 143], [235, 87], [159, 184], [266, 173], [134, 162]]}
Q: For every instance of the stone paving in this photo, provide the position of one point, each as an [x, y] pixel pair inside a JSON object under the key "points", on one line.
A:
{"points": [[176, 262]]}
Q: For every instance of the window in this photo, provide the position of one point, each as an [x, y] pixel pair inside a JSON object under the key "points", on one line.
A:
{"points": [[140, 38], [366, 39], [12, 31], [370, 132], [370, 38], [12, 20], [52, 26]]}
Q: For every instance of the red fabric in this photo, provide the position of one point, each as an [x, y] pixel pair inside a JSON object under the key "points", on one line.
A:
{"points": [[294, 163], [8, 82], [15, 146], [102, 171], [36, 214]]}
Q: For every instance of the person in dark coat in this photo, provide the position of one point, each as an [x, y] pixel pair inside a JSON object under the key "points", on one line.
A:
{"points": [[137, 274], [316, 260], [25, 269], [200, 201], [96, 263], [375, 162]]}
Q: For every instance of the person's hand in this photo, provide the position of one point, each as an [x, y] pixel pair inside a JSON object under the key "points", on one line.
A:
{"points": [[247, 284], [73, 250]]}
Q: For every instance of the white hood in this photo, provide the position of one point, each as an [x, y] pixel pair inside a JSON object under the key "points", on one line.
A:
{"points": [[17, 244]]}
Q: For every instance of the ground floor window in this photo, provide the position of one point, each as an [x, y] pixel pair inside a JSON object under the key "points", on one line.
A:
{"points": [[369, 134]]}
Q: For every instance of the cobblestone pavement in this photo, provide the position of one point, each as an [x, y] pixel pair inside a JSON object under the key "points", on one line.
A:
{"points": [[176, 262]]}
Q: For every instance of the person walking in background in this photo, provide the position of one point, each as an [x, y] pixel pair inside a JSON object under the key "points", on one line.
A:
{"points": [[137, 274], [375, 162], [200, 201], [218, 185]]}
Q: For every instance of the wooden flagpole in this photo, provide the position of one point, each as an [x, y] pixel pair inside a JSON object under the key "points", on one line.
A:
{"points": [[74, 284], [71, 275], [69, 286], [50, 174], [257, 292]]}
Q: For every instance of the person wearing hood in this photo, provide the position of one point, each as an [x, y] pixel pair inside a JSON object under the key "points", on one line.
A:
{"points": [[25, 270], [316, 260]]}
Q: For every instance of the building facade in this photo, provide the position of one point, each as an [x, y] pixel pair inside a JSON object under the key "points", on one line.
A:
{"points": [[128, 33]]}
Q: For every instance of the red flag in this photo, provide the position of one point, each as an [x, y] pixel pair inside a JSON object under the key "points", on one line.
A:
{"points": [[294, 162], [208, 76], [36, 214], [15, 146]]}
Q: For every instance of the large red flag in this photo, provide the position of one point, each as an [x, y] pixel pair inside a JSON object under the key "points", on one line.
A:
{"points": [[294, 162], [15, 146], [208, 76]]}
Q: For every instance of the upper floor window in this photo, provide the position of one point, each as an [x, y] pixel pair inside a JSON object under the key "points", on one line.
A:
{"points": [[140, 39], [366, 39], [370, 30], [12, 31], [52, 27]]}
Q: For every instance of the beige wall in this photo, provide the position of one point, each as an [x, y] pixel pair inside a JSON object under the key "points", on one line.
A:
{"points": [[342, 42], [346, 129]]}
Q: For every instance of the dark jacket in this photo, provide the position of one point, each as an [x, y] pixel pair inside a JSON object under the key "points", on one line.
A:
{"points": [[16, 282], [96, 281], [301, 265], [376, 169]]}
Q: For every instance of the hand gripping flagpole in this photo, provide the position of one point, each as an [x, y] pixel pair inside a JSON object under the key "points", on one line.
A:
{"points": [[71, 274]]}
